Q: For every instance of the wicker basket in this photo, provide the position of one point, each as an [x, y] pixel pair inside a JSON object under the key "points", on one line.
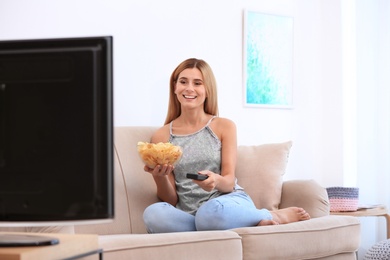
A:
{"points": [[343, 198]]}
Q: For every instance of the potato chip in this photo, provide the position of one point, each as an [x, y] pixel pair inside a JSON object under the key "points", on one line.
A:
{"points": [[159, 153]]}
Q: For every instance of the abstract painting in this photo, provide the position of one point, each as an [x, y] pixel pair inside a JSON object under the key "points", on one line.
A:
{"points": [[268, 60]]}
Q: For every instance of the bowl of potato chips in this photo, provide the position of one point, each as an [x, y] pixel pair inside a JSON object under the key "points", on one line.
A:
{"points": [[159, 153]]}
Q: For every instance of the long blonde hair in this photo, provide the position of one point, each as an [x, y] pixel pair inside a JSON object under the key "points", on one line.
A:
{"points": [[210, 84]]}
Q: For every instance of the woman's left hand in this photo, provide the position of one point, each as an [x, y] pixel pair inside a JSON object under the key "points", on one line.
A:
{"points": [[210, 183]]}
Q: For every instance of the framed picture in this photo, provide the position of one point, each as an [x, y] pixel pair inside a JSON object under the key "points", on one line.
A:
{"points": [[268, 60]]}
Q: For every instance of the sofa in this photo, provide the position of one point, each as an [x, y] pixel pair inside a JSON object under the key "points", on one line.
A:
{"points": [[260, 171]]}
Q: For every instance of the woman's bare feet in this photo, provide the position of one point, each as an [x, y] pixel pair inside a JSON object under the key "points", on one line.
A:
{"points": [[285, 216]]}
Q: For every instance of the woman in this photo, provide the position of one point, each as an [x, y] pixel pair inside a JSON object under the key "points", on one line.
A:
{"points": [[209, 145]]}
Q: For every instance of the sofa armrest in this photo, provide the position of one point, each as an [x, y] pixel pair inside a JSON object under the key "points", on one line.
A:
{"points": [[307, 194]]}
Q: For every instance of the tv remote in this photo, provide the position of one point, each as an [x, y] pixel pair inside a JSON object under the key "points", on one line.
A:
{"points": [[196, 176]]}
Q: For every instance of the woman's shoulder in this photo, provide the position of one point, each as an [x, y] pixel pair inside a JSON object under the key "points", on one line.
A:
{"points": [[223, 127], [162, 134], [223, 122]]}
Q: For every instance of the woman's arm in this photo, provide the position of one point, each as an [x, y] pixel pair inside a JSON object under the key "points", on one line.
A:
{"points": [[163, 174]]}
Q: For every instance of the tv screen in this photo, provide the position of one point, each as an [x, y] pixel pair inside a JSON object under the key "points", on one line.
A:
{"points": [[56, 130]]}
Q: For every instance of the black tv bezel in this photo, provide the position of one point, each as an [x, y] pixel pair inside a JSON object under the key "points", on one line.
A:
{"points": [[104, 123]]}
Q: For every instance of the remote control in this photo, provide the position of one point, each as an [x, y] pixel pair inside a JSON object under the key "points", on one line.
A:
{"points": [[195, 176]]}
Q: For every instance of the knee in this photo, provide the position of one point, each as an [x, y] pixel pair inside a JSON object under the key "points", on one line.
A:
{"points": [[156, 210], [211, 216], [153, 214]]}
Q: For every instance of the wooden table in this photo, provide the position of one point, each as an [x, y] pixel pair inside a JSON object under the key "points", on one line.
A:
{"points": [[70, 247], [377, 211]]}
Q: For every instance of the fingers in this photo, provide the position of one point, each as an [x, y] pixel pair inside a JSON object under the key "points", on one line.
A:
{"points": [[161, 170], [148, 169], [209, 184]]}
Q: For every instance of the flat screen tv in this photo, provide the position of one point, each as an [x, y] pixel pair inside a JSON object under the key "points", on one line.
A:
{"points": [[56, 131]]}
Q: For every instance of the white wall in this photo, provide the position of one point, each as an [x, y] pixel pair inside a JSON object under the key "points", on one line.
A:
{"points": [[151, 37], [373, 110]]}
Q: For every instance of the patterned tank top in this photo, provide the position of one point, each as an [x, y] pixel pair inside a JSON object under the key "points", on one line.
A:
{"points": [[201, 151]]}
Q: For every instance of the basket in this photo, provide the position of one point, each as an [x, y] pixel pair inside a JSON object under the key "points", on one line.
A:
{"points": [[343, 198]]}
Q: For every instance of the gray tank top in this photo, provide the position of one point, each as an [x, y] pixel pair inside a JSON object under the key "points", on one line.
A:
{"points": [[201, 151]]}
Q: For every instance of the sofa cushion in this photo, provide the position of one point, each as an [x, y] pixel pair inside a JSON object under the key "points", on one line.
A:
{"points": [[224, 245], [260, 172], [317, 238]]}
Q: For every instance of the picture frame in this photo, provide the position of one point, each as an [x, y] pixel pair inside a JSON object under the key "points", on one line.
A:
{"points": [[268, 60]]}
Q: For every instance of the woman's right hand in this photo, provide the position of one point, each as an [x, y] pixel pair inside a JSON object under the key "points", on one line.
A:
{"points": [[160, 170], [165, 181]]}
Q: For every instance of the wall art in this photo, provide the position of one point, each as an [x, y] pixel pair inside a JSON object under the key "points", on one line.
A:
{"points": [[268, 60]]}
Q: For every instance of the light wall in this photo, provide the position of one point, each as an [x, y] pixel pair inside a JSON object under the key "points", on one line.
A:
{"points": [[373, 111], [151, 37]]}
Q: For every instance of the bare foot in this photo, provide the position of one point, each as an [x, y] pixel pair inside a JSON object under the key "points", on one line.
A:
{"points": [[289, 215], [285, 216]]}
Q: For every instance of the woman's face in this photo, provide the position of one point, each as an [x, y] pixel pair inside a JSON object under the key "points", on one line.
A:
{"points": [[190, 89]]}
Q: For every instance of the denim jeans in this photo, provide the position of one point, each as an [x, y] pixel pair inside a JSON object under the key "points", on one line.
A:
{"points": [[232, 210]]}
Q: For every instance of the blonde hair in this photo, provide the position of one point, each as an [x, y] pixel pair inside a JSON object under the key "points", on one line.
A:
{"points": [[210, 84]]}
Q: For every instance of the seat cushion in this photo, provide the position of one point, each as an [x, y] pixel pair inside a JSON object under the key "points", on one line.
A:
{"points": [[311, 239], [174, 246]]}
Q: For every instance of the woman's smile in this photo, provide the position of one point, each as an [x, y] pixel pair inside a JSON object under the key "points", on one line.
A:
{"points": [[189, 97]]}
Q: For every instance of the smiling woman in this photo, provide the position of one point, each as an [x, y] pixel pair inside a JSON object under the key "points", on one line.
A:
{"points": [[204, 74], [189, 89], [209, 145]]}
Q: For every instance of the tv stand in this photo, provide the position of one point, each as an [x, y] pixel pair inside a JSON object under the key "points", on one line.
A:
{"points": [[18, 240], [69, 246]]}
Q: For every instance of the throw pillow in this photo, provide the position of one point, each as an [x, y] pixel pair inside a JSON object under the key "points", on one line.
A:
{"points": [[260, 171]]}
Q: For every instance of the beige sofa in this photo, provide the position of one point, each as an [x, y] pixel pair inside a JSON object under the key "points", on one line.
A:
{"points": [[260, 171]]}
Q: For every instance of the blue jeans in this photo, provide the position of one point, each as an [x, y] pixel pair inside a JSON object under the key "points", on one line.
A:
{"points": [[232, 210]]}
